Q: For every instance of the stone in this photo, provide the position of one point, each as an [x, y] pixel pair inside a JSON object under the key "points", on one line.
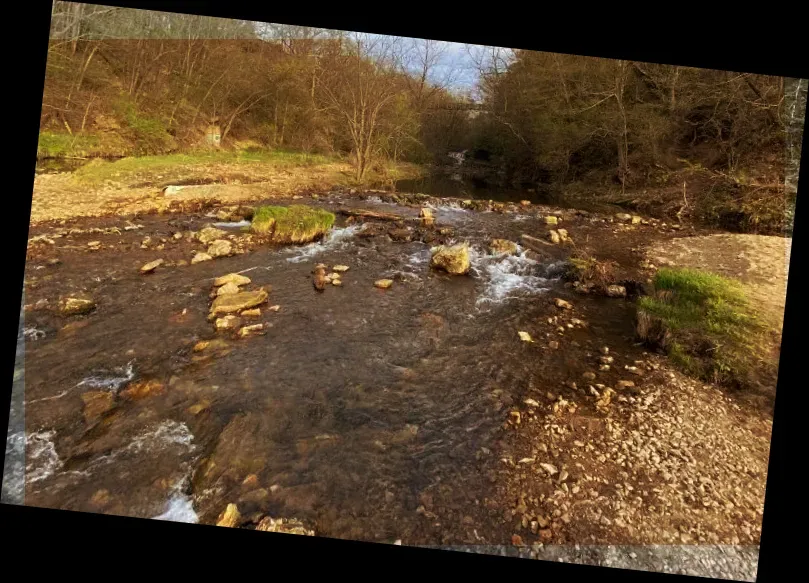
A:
{"points": [[152, 265], [336, 282], [623, 217], [230, 517], [624, 384], [340, 268], [76, 306], [228, 288], [525, 336], [590, 376], [453, 260], [220, 248], [616, 291], [252, 329], [199, 257], [243, 300], [274, 308], [426, 213], [177, 236], [288, 526], [553, 344], [636, 219], [531, 403], [228, 322], [516, 540], [554, 237], [525, 203], [560, 303], [254, 313], [100, 499], [563, 234], [383, 283], [96, 403], [605, 359], [605, 350], [210, 234], [319, 279], [550, 468], [498, 246], [551, 220], [233, 278]]}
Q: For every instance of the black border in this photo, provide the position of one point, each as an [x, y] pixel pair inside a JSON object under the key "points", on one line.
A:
{"points": [[761, 43]]}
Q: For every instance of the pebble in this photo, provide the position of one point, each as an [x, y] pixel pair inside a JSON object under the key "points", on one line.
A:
{"points": [[383, 283]]}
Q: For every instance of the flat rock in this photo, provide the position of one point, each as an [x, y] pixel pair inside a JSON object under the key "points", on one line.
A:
{"points": [[199, 257], [340, 268], [96, 403], [152, 265], [76, 306], [244, 300], [229, 322], [234, 278], [383, 283], [228, 288]]}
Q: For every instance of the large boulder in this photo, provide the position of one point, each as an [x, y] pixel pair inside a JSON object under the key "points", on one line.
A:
{"points": [[454, 260]]}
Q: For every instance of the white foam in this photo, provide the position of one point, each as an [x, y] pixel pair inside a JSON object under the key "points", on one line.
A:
{"points": [[179, 508], [44, 461], [168, 432], [334, 239], [33, 333], [507, 276], [111, 382], [232, 224]]}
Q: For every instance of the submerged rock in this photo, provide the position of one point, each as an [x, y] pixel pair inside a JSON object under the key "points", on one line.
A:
{"points": [[233, 278], [96, 403], [151, 266], [76, 306], [498, 246], [243, 300], [454, 260]]}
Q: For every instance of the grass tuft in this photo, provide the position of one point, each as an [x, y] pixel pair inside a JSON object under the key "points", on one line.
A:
{"points": [[705, 324], [292, 224]]}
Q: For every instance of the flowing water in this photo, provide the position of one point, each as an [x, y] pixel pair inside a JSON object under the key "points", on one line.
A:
{"points": [[351, 405]]}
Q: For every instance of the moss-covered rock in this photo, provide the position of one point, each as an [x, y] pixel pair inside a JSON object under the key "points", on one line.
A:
{"points": [[292, 224]]}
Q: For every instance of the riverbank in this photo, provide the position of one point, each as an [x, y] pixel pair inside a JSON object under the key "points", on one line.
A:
{"points": [[135, 185]]}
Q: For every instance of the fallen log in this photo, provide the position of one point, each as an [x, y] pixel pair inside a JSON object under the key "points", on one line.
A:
{"points": [[535, 244], [366, 214]]}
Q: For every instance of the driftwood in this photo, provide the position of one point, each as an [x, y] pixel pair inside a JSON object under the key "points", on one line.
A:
{"points": [[535, 244], [369, 214]]}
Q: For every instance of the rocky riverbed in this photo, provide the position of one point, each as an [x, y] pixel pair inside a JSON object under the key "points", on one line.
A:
{"points": [[498, 408]]}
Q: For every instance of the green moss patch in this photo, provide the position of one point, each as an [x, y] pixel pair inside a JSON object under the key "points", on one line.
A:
{"points": [[705, 324]]}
